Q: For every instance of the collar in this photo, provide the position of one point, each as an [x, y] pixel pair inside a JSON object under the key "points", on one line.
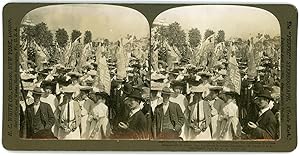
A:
{"points": [[132, 112], [261, 112]]}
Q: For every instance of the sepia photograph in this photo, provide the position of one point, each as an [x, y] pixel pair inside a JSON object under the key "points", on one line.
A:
{"points": [[215, 74], [84, 73]]}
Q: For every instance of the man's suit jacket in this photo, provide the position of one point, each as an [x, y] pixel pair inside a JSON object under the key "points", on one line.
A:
{"points": [[136, 126], [176, 117], [47, 118], [266, 126]]}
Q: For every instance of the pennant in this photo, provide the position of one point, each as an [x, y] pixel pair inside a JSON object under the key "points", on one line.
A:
{"points": [[251, 62], [122, 62], [234, 72]]}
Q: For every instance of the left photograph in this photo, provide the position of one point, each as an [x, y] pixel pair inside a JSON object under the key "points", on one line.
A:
{"points": [[84, 73]]}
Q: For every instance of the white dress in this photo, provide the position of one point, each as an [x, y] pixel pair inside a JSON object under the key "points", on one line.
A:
{"points": [[69, 135], [206, 135], [85, 108], [232, 113], [98, 122]]}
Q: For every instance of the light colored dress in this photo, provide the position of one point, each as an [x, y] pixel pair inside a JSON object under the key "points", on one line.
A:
{"points": [[70, 113], [85, 109], [98, 122], [206, 135], [230, 125]]}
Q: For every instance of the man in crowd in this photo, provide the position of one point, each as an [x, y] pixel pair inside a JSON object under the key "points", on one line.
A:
{"points": [[39, 118], [168, 118]]}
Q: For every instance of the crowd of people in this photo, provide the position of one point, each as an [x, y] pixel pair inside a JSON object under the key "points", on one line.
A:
{"points": [[175, 101]]}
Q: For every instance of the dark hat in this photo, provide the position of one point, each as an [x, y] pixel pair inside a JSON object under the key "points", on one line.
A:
{"points": [[102, 94], [38, 90], [135, 94], [166, 90], [176, 83], [127, 88], [265, 93], [216, 88], [48, 83]]}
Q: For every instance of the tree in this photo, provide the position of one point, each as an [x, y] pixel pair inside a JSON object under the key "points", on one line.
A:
{"points": [[87, 37], [61, 36], [42, 35], [75, 34], [208, 33], [220, 36], [194, 37], [175, 34]]}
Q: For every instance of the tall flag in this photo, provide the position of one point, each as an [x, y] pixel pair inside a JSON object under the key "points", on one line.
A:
{"points": [[154, 55], [251, 62], [23, 55], [206, 51], [121, 63], [103, 76], [172, 54], [40, 56], [86, 52], [234, 72]]}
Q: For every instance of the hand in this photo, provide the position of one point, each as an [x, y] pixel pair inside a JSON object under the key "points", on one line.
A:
{"points": [[252, 125], [123, 125]]}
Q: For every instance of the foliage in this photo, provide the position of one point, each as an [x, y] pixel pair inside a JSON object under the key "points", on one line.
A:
{"points": [[75, 34], [87, 37], [61, 36], [194, 37]]}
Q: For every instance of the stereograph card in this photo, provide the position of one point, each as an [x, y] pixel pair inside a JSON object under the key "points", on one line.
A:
{"points": [[149, 77]]}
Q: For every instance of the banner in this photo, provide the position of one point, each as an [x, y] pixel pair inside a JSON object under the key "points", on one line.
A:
{"points": [[251, 62], [103, 73], [121, 61], [234, 72], [206, 51]]}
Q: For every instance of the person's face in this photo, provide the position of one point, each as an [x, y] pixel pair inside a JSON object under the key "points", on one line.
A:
{"points": [[261, 102], [153, 93], [48, 90], [132, 103], [36, 97], [165, 97], [177, 90]]}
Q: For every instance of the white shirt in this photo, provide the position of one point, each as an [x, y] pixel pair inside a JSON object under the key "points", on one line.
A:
{"points": [[165, 107], [36, 107], [132, 112], [261, 112]]}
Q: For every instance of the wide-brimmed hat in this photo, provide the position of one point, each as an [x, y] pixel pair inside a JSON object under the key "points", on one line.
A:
{"points": [[92, 72], [215, 88], [177, 83], [28, 86], [69, 89], [156, 86], [204, 73], [37, 90], [127, 88], [155, 77], [85, 88], [265, 93], [197, 89], [135, 94], [166, 90], [223, 72], [74, 74], [25, 76]]}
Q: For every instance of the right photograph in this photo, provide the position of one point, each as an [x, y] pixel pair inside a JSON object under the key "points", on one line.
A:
{"points": [[215, 74]]}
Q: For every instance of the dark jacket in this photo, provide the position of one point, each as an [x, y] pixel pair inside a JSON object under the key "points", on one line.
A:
{"points": [[136, 127], [267, 127], [176, 117], [46, 117]]}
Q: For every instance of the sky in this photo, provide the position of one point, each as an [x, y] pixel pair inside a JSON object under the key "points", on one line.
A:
{"points": [[236, 21], [104, 21]]}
